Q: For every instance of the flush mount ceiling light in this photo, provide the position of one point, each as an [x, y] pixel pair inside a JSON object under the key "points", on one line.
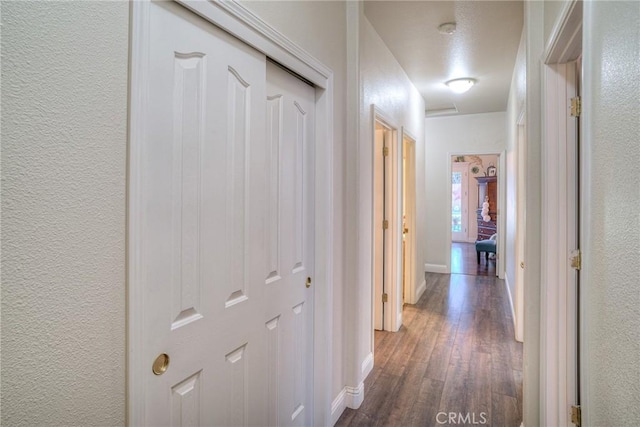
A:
{"points": [[460, 85], [447, 28]]}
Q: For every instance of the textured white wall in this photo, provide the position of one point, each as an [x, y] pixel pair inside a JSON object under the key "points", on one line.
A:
{"points": [[64, 144], [610, 290], [473, 133], [319, 27], [385, 84]]}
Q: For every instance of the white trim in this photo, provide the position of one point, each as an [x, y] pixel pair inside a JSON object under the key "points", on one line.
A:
{"points": [[354, 396], [390, 322], [565, 40], [558, 328], [367, 365], [243, 24], [411, 256], [557, 312], [138, 95], [338, 406], [436, 268], [513, 312], [356, 341]]}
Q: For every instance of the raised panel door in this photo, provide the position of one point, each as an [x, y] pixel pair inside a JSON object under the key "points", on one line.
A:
{"points": [[203, 198]]}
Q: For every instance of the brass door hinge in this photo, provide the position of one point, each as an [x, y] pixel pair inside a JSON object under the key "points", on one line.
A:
{"points": [[385, 224], [576, 259], [385, 297], [576, 106], [385, 151], [576, 415]]}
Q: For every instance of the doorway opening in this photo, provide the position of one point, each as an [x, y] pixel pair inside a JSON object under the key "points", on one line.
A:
{"points": [[408, 217], [473, 210], [521, 198], [383, 215]]}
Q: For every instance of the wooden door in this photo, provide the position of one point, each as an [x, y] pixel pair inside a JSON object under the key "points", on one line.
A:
{"points": [[238, 350]]}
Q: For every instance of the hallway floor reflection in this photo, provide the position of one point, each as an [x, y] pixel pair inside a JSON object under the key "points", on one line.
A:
{"points": [[455, 353], [464, 260]]}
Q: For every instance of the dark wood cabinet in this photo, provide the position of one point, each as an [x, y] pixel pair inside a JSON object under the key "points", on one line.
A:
{"points": [[487, 187]]}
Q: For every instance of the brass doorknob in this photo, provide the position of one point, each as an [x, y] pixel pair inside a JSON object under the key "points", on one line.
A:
{"points": [[161, 364], [308, 282], [522, 264]]}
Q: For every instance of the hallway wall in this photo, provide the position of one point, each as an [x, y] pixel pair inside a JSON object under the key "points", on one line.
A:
{"points": [[610, 295], [610, 194], [445, 136], [383, 83], [64, 159]]}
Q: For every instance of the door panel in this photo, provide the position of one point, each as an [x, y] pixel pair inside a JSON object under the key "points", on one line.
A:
{"points": [[227, 242], [290, 130]]}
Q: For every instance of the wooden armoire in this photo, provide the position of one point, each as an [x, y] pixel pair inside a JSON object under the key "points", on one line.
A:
{"points": [[487, 187]]}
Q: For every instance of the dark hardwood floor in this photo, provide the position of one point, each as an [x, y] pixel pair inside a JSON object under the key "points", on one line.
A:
{"points": [[464, 260], [454, 361]]}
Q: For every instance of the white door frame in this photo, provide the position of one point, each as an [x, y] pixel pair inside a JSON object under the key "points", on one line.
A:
{"points": [[391, 322], [558, 307], [410, 243], [521, 208], [501, 224], [246, 26]]}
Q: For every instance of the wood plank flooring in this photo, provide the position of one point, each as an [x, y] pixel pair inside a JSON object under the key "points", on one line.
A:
{"points": [[455, 356], [464, 260]]}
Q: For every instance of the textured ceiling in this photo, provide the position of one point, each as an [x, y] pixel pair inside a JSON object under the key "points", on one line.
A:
{"points": [[483, 47]]}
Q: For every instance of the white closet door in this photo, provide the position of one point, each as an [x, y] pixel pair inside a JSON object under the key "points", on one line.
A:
{"points": [[204, 209], [227, 231], [290, 130]]}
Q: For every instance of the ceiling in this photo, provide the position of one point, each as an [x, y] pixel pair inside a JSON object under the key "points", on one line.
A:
{"points": [[484, 47]]}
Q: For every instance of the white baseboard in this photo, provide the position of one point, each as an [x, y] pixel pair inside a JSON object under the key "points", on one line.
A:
{"points": [[436, 268], [349, 397], [338, 406], [354, 396], [420, 290], [367, 365], [513, 311]]}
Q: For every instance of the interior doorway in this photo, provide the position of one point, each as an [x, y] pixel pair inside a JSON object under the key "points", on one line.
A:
{"points": [[382, 213], [521, 198], [475, 200], [387, 271], [408, 216]]}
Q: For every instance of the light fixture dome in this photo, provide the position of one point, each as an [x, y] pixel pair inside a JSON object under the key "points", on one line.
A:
{"points": [[460, 85], [447, 28]]}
